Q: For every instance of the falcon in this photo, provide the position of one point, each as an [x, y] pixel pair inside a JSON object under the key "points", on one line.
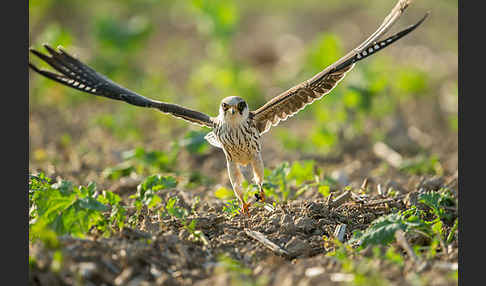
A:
{"points": [[236, 129]]}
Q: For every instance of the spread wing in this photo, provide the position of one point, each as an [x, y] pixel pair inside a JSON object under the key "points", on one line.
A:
{"points": [[78, 75], [290, 102]]}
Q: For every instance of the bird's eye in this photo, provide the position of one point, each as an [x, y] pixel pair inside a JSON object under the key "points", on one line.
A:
{"points": [[224, 106], [241, 106]]}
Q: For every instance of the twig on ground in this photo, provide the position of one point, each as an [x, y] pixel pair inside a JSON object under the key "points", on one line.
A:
{"points": [[266, 242], [384, 201], [340, 199], [364, 185], [329, 199], [402, 241], [380, 191]]}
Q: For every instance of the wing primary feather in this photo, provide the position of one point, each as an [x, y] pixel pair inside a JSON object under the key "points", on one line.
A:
{"points": [[77, 75], [290, 102], [378, 46]]}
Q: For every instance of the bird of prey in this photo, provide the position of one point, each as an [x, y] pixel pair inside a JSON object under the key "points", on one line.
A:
{"points": [[236, 129]]}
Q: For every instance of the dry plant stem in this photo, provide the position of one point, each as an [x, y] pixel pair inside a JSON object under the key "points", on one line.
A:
{"points": [[402, 241], [266, 242], [379, 189], [356, 197], [341, 199], [364, 185], [400, 237], [329, 199], [384, 201]]}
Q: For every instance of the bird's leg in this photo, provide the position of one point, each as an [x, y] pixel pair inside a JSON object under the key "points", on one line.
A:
{"points": [[257, 166], [236, 178]]}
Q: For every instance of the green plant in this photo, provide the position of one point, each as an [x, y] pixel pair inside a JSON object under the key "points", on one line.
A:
{"points": [[285, 176], [422, 165], [362, 271], [232, 207], [382, 230], [224, 193], [173, 209], [118, 211], [62, 208], [438, 202], [450, 237], [430, 223], [146, 191]]}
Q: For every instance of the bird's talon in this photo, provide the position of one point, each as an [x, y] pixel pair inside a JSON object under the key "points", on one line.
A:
{"points": [[261, 196], [257, 196], [244, 209]]}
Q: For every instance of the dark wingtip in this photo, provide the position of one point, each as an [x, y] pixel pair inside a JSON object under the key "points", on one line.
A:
{"points": [[37, 53], [32, 66], [50, 50], [412, 27], [33, 50], [423, 18], [46, 45]]}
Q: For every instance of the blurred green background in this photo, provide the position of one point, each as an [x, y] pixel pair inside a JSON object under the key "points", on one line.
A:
{"points": [[195, 53]]}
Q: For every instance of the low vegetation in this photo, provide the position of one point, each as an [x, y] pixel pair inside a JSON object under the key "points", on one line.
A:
{"points": [[361, 187]]}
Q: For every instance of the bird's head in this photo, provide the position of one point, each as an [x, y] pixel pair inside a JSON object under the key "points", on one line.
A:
{"points": [[233, 109]]}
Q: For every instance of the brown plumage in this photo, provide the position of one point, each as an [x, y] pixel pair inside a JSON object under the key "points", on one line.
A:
{"points": [[236, 130]]}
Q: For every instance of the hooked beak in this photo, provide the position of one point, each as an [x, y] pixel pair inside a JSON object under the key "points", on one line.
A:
{"points": [[233, 111]]}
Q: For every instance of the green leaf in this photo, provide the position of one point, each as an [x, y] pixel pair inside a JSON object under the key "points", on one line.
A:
{"points": [[324, 190], [92, 204], [173, 210], [382, 230], [109, 198], [65, 209], [422, 165], [154, 200], [302, 172], [122, 170], [223, 193], [437, 201]]}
